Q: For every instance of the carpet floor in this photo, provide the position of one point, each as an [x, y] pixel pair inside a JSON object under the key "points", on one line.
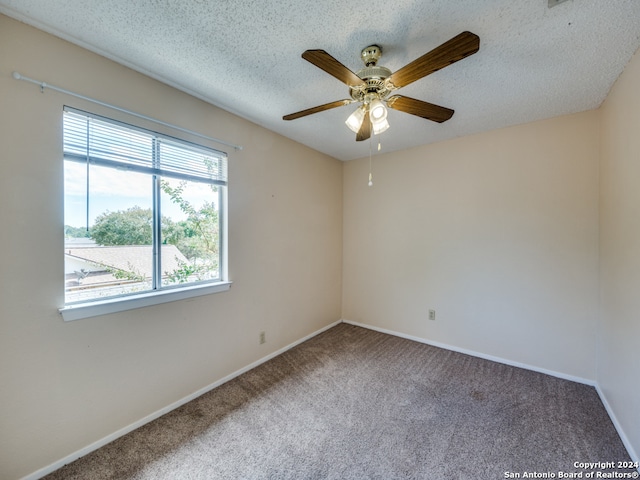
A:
{"points": [[352, 403]]}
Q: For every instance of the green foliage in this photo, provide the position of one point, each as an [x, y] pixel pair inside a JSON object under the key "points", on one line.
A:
{"points": [[130, 274], [124, 227], [186, 271], [196, 237], [75, 232]]}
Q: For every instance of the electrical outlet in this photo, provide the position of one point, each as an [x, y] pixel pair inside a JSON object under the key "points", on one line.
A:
{"points": [[432, 314], [263, 338]]}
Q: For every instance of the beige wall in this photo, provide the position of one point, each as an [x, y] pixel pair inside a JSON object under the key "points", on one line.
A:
{"points": [[619, 333], [66, 385], [497, 232]]}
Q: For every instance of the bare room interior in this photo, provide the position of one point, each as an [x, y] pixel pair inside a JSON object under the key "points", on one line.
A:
{"points": [[404, 299]]}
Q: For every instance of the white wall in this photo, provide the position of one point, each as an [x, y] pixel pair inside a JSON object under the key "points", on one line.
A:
{"points": [[497, 232], [619, 332], [66, 385]]}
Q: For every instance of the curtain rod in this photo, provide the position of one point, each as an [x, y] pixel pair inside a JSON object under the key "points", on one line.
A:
{"points": [[44, 85]]}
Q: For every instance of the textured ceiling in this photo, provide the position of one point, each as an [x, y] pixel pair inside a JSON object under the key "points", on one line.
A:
{"points": [[534, 62]]}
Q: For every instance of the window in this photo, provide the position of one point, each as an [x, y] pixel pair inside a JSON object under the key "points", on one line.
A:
{"points": [[144, 213]]}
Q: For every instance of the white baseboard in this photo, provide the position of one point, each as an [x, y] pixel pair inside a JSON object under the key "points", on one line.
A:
{"points": [[614, 420], [553, 373], [129, 428], [592, 383]]}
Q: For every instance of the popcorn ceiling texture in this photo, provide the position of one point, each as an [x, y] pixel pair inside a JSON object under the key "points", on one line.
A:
{"points": [[534, 62]]}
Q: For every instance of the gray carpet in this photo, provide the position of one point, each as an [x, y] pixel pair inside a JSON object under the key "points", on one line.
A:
{"points": [[357, 404]]}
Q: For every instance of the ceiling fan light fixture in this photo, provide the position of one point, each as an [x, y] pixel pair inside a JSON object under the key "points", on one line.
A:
{"points": [[354, 122], [378, 111], [380, 126]]}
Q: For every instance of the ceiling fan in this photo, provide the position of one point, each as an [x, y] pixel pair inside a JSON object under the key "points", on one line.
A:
{"points": [[372, 85]]}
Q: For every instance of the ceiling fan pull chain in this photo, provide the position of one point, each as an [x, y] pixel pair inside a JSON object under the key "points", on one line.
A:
{"points": [[370, 174]]}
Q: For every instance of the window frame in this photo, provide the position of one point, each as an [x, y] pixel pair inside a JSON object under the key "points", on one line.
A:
{"points": [[159, 293]]}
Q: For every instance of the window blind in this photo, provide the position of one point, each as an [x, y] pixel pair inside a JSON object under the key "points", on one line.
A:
{"points": [[100, 141]]}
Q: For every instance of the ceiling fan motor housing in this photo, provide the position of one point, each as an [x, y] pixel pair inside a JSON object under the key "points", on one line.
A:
{"points": [[375, 86], [373, 76], [371, 54]]}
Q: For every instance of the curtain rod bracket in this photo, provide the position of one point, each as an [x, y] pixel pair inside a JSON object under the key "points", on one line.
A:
{"points": [[43, 85]]}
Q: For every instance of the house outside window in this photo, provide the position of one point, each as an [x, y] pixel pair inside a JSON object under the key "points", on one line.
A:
{"points": [[144, 212]]}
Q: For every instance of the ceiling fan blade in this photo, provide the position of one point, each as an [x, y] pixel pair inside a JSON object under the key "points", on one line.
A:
{"points": [[421, 109], [326, 62], [319, 108], [365, 129], [457, 48]]}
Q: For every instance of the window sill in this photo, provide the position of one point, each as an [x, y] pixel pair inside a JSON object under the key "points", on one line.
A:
{"points": [[121, 304]]}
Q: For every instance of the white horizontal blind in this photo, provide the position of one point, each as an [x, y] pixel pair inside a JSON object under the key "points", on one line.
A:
{"points": [[101, 141]]}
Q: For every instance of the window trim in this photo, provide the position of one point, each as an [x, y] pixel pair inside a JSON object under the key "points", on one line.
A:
{"points": [[97, 307], [79, 311]]}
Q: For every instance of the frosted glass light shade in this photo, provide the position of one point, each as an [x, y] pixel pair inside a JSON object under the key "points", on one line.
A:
{"points": [[380, 126], [354, 122], [378, 111]]}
